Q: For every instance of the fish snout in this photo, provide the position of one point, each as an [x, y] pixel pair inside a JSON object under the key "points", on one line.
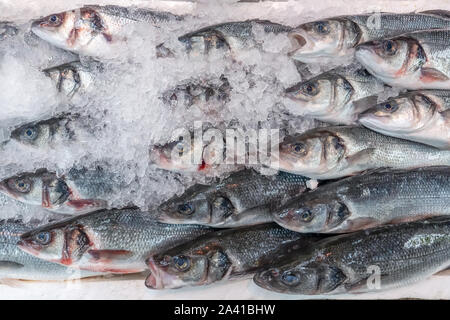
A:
{"points": [[298, 41], [265, 277]]}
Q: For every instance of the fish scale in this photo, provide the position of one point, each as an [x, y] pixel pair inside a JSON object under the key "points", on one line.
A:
{"points": [[119, 241], [16, 264], [246, 198], [404, 253]]}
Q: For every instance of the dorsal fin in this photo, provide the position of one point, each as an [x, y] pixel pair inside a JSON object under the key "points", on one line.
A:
{"points": [[441, 13]]}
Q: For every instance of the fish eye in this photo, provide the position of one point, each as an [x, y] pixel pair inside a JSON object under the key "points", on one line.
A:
{"points": [[298, 148], [186, 209], [54, 19], [390, 47], [20, 185], [390, 107], [289, 278], [30, 133], [306, 215], [223, 203], [43, 238], [310, 89], [322, 27], [181, 263]]}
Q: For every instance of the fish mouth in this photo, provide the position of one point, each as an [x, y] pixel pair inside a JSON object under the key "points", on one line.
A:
{"points": [[264, 279], [27, 246], [298, 41], [154, 279]]}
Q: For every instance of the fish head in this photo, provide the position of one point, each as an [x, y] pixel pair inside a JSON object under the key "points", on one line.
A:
{"points": [[308, 278], [391, 58], [33, 134], [66, 78], [403, 114], [311, 154], [313, 215], [56, 28], [60, 243], [197, 206], [41, 188], [175, 156], [71, 30], [318, 96], [313, 41], [190, 267]]}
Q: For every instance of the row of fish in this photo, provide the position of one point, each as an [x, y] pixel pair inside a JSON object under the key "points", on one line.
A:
{"points": [[279, 229]]}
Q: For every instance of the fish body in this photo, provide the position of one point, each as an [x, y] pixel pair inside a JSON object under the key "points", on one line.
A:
{"points": [[335, 152], [369, 200], [116, 241], [221, 255], [370, 260], [16, 264], [71, 77], [44, 133], [418, 60], [204, 94], [91, 29], [244, 198], [79, 191], [421, 116], [332, 96], [337, 37], [231, 36]]}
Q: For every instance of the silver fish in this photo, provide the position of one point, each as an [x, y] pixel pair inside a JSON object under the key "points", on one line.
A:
{"points": [[244, 198], [335, 152], [43, 133], [332, 96], [337, 37], [79, 191], [419, 60], [91, 29], [116, 241], [73, 76], [422, 116], [16, 264], [221, 255], [204, 94], [397, 255], [231, 36], [369, 200]]}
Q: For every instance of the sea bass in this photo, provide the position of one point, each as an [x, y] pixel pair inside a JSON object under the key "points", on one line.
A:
{"points": [[337, 37], [244, 198], [116, 241], [16, 264], [419, 60], [335, 152], [332, 96], [400, 254], [43, 133], [79, 191], [369, 200], [72, 77], [221, 255], [231, 36], [207, 95], [91, 29], [422, 116]]}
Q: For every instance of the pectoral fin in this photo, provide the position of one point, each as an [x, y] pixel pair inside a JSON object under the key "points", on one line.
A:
{"points": [[361, 157], [432, 75], [84, 204]]}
